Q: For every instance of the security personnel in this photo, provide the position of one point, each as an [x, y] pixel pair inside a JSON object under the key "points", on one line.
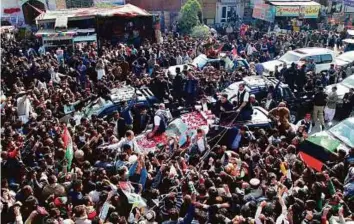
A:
{"points": [[161, 118], [244, 107]]}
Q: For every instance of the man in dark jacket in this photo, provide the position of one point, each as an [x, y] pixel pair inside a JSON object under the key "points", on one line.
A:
{"points": [[301, 79], [178, 85], [222, 107], [119, 122], [190, 89], [319, 102], [290, 75], [348, 104]]}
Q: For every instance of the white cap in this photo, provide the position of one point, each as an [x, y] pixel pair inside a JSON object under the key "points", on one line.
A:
{"points": [[255, 182]]}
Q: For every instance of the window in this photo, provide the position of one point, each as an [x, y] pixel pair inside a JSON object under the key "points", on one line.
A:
{"points": [[326, 58], [223, 13], [316, 59], [287, 94]]}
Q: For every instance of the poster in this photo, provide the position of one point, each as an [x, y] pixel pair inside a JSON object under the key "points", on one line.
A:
{"points": [[264, 12]]}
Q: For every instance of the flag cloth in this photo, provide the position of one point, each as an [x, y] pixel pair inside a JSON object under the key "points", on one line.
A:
{"points": [[311, 162], [316, 150], [234, 53], [68, 145], [135, 199]]}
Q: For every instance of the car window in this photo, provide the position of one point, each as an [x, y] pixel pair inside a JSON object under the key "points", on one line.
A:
{"points": [[326, 58], [316, 58], [289, 57], [287, 93]]}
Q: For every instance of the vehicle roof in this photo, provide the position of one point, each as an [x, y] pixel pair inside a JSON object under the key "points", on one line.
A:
{"points": [[312, 51], [257, 81], [347, 55]]}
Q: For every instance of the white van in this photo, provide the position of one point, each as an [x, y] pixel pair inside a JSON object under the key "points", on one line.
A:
{"points": [[323, 58]]}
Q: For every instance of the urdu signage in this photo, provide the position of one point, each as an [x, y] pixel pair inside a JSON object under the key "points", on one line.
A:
{"points": [[308, 11]]}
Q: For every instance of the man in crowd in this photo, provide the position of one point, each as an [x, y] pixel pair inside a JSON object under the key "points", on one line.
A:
{"points": [[330, 109], [319, 103]]}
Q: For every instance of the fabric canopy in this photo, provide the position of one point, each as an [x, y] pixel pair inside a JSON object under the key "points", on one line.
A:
{"points": [[127, 10]]}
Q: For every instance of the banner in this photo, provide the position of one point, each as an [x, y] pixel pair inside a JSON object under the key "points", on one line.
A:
{"points": [[349, 3], [264, 12], [309, 11], [287, 11]]}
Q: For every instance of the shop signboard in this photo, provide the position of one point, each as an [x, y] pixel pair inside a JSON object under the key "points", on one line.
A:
{"points": [[308, 11], [287, 11], [349, 3], [264, 12]]}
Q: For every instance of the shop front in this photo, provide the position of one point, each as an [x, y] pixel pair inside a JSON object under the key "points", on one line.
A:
{"points": [[295, 15]]}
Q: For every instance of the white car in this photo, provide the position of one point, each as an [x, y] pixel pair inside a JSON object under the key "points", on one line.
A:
{"points": [[342, 88], [345, 59], [323, 58]]}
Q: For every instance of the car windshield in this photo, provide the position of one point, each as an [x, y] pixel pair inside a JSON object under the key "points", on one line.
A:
{"points": [[349, 82], [289, 57], [344, 131]]}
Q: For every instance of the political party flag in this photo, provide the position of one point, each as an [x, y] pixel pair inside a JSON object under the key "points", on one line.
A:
{"points": [[68, 145], [316, 150], [135, 199]]}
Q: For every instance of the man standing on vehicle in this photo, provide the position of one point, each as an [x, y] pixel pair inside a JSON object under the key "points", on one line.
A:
{"points": [[319, 102], [290, 75], [223, 108], [330, 109], [160, 121], [244, 107]]}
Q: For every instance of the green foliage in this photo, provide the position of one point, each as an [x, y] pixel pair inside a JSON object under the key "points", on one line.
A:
{"points": [[191, 13], [200, 32]]}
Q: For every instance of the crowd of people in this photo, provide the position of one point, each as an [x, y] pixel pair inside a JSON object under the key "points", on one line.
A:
{"points": [[93, 170]]}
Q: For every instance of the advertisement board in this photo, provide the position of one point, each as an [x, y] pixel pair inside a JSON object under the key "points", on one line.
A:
{"points": [[308, 11], [264, 12], [287, 11]]}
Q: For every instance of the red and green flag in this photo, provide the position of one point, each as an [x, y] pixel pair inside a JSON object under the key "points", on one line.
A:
{"points": [[316, 150], [68, 145]]}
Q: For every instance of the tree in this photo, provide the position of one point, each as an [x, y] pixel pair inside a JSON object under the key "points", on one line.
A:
{"points": [[200, 32], [191, 16]]}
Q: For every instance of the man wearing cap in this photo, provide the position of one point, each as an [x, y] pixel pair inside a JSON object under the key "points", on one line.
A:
{"points": [[253, 100], [306, 122], [256, 190]]}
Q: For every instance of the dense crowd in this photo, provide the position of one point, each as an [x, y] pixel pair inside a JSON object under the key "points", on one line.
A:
{"points": [[257, 178]]}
